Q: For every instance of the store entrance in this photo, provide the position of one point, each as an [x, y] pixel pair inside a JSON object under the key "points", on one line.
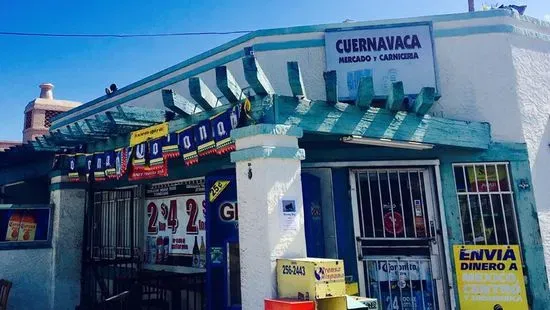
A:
{"points": [[400, 252]]}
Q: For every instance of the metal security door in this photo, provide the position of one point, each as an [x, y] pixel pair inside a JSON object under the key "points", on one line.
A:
{"points": [[398, 238]]}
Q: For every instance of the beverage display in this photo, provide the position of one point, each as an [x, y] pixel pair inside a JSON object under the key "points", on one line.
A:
{"points": [[160, 250], [14, 223], [196, 254], [27, 228], [202, 254], [166, 245]]}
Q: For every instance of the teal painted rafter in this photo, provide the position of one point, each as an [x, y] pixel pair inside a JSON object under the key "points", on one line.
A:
{"points": [[365, 92], [121, 121], [424, 101], [178, 103], [228, 85], [295, 79], [396, 97], [343, 119], [256, 77], [331, 86], [202, 94], [139, 114]]}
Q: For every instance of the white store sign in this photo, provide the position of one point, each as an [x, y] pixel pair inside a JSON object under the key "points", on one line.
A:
{"points": [[400, 53]]}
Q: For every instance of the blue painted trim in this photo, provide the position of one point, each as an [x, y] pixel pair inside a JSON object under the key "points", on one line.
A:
{"points": [[267, 129], [272, 32], [68, 185], [268, 152], [464, 31]]}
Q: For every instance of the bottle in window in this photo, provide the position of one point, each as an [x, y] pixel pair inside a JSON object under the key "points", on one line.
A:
{"points": [[202, 253], [160, 250], [196, 254]]}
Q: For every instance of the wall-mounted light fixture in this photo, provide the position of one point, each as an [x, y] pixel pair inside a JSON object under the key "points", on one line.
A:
{"points": [[387, 143]]}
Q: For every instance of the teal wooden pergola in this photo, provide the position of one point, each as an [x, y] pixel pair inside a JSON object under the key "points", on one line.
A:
{"points": [[394, 117]]}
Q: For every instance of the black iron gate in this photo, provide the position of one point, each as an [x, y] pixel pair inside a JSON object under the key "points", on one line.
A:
{"points": [[113, 276], [111, 252]]}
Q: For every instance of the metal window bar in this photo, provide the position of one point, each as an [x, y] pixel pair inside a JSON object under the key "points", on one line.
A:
{"points": [[475, 192], [387, 191]]}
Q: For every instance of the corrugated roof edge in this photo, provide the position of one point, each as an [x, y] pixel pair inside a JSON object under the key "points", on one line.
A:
{"points": [[288, 30]]}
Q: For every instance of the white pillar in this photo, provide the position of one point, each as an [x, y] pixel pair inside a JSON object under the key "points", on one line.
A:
{"points": [[268, 171], [68, 224]]}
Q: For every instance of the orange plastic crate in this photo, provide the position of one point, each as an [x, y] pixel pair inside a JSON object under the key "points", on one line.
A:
{"points": [[288, 304]]}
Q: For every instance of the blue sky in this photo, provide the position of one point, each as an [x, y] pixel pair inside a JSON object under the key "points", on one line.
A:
{"points": [[81, 68]]}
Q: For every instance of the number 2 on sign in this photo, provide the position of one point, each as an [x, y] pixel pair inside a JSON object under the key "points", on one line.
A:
{"points": [[173, 222], [153, 214], [192, 211]]}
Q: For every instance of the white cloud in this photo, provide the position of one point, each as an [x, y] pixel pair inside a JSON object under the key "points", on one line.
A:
{"points": [[547, 17]]}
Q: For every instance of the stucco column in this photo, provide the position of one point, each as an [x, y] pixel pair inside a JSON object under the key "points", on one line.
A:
{"points": [[69, 200], [268, 175]]}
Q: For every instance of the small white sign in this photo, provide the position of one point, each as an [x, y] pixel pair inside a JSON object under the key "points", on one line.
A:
{"points": [[289, 220], [389, 54]]}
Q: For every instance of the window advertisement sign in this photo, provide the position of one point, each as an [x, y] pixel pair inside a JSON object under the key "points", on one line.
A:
{"points": [[175, 224], [24, 225], [490, 277], [401, 284], [389, 54]]}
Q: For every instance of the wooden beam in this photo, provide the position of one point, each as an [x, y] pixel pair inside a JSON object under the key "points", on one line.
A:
{"points": [[97, 127], [120, 119], [178, 103], [365, 92], [319, 117], [331, 86], [424, 101], [142, 114], [295, 79], [228, 85], [396, 97], [256, 77], [202, 94]]}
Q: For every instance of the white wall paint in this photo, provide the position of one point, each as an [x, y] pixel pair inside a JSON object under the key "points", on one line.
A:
{"points": [[30, 272], [262, 235]]}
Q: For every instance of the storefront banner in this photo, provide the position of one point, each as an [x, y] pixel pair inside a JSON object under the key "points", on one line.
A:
{"points": [[222, 124], [155, 157], [490, 277], [121, 162], [187, 145], [170, 146], [110, 165], [99, 166], [140, 165], [388, 54], [149, 133], [204, 138], [175, 226], [89, 166], [73, 172]]}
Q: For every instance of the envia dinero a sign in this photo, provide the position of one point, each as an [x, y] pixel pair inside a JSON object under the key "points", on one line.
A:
{"points": [[389, 54]]}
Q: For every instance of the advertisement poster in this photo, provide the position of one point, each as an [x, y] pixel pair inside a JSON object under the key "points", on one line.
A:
{"points": [[490, 277], [390, 54], [402, 284], [24, 225], [175, 224]]}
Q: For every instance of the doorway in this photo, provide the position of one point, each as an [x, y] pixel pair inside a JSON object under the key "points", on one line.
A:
{"points": [[398, 233]]}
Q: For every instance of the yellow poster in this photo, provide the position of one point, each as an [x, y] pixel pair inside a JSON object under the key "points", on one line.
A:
{"points": [[149, 133], [490, 277]]}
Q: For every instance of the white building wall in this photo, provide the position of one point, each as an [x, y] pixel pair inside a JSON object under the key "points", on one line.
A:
{"points": [[531, 59]]}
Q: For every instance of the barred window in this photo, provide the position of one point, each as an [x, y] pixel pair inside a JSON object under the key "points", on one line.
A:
{"points": [[28, 119], [486, 203], [49, 116]]}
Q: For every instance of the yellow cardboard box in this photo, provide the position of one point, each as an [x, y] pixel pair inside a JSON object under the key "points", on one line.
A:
{"points": [[310, 278]]}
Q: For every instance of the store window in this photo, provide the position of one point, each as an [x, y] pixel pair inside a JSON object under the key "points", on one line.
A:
{"points": [[486, 203], [25, 226]]}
